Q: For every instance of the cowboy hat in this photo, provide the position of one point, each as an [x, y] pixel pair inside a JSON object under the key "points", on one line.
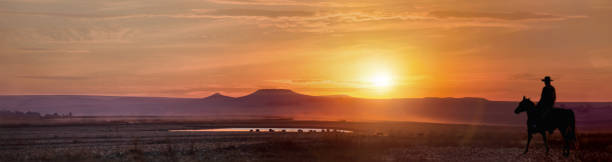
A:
{"points": [[547, 78]]}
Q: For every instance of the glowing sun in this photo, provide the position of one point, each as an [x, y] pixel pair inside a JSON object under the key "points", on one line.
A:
{"points": [[381, 80]]}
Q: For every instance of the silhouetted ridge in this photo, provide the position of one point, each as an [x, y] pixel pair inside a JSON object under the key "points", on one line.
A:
{"points": [[274, 97], [218, 96], [274, 92]]}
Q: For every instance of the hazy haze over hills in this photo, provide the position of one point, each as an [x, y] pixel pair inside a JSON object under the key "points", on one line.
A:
{"points": [[286, 103]]}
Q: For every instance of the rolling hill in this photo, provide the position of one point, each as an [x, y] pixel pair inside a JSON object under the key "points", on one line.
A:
{"points": [[287, 103]]}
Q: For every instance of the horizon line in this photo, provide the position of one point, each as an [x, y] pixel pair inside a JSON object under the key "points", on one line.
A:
{"points": [[390, 98]]}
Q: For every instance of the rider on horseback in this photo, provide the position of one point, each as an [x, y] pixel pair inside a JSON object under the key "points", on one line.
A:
{"points": [[544, 118], [547, 100]]}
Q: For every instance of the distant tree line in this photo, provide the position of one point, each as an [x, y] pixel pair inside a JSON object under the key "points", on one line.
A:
{"points": [[6, 114]]}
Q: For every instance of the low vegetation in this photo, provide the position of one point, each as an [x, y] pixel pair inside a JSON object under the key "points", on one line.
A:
{"points": [[386, 141]]}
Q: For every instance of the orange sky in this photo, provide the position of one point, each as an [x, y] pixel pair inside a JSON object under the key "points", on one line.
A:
{"points": [[493, 49]]}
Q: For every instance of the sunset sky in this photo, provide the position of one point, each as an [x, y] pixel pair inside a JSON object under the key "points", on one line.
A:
{"points": [[498, 50]]}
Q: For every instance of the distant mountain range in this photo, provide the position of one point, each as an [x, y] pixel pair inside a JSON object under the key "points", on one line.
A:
{"points": [[286, 103]]}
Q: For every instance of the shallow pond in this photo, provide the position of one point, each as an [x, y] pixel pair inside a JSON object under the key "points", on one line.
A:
{"points": [[320, 130]]}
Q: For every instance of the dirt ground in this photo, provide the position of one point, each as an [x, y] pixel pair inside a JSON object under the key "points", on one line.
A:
{"points": [[371, 141]]}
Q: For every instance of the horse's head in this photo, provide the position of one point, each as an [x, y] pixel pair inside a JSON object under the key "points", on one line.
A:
{"points": [[525, 105]]}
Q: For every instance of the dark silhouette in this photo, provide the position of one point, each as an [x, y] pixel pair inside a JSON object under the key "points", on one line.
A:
{"points": [[548, 97], [562, 119], [5, 114]]}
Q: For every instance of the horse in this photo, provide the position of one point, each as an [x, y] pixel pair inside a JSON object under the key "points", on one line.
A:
{"points": [[557, 118]]}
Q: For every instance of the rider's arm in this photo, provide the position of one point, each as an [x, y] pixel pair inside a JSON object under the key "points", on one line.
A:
{"points": [[554, 94]]}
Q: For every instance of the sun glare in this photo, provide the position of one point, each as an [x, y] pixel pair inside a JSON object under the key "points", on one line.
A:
{"points": [[381, 80]]}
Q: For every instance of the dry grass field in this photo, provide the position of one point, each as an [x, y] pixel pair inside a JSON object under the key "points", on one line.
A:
{"points": [[371, 141]]}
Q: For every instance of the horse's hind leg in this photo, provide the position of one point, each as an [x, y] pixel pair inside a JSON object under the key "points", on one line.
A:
{"points": [[528, 141], [565, 135], [545, 141], [566, 148]]}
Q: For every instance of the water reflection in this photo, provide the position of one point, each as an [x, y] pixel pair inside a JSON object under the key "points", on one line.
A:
{"points": [[299, 130]]}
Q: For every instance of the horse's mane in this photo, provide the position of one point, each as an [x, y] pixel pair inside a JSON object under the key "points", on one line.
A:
{"points": [[532, 107], [531, 103]]}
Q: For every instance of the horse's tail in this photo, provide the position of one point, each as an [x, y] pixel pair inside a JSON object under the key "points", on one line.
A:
{"points": [[572, 129], [572, 125]]}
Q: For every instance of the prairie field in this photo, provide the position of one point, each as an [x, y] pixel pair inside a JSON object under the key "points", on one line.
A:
{"points": [[135, 140]]}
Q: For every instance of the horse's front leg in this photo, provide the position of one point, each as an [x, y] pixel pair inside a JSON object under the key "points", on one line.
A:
{"points": [[566, 148], [545, 141], [528, 141]]}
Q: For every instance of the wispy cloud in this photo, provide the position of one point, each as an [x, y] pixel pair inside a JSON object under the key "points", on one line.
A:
{"points": [[493, 15], [52, 77], [57, 14], [256, 12], [46, 50], [181, 47], [291, 3], [295, 20]]}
